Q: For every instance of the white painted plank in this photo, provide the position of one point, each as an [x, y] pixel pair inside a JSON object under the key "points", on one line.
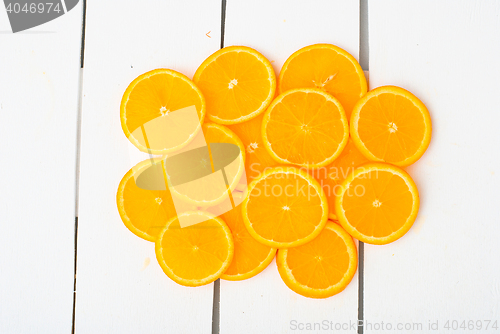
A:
{"points": [[446, 267], [264, 304], [117, 291], [39, 86]]}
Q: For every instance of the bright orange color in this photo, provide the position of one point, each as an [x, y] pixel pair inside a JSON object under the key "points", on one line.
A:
{"points": [[378, 203], [238, 83], [305, 127], [327, 67], [321, 268], [285, 207], [195, 255], [144, 212], [331, 176], [204, 191], [155, 94], [257, 157], [391, 124], [250, 256]]}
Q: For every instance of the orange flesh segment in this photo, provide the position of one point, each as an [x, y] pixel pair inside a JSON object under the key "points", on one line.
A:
{"points": [[238, 83], [303, 262], [144, 212], [396, 203], [331, 176], [150, 95], [285, 208], [375, 119], [326, 67], [197, 254], [250, 256], [257, 157], [305, 127]]}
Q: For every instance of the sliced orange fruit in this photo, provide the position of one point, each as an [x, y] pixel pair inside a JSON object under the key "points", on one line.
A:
{"points": [[305, 127], [321, 268], [378, 203], [156, 98], [195, 255], [238, 83], [331, 176], [212, 189], [257, 157], [285, 207], [250, 256], [144, 212], [391, 124], [326, 67]]}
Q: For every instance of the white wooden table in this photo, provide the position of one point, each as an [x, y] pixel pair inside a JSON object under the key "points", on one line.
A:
{"points": [[63, 154]]}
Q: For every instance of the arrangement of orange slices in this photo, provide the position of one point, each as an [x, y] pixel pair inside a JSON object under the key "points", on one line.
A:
{"points": [[323, 158]]}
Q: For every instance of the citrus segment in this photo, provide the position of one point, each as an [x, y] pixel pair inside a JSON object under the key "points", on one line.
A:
{"points": [[257, 157], [331, 176], [285, 207], [320, 268], [250, 256], [158, 97], [144, 212], [305, 127], [212, 189], [327, 67], [197, 254], [392, 125], [238, 83], [378, 203]]}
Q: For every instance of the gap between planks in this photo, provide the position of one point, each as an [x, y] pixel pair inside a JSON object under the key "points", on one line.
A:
{"points": [[77, 165], [364, 60], [216, 298]]}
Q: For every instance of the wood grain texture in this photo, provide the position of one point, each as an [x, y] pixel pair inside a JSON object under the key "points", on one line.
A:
{"points": [[264, 304], [121, 288], [446, 267], [39, 86]]}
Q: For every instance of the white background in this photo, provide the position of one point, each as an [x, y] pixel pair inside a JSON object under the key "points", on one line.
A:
{"points": [[63, 154]]}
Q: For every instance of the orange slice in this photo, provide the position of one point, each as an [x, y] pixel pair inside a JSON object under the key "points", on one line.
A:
{"points": [[195, 255], [285, 207], [327, 67], [211, 190], [257, 157], [378, 203], [331, 176], [391, 124], [250, 256], [238, 83], [321, 268], [305, 127], [144, 212], [157, 96]]}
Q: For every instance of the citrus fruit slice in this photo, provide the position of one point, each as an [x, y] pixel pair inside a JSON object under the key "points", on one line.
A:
{"points": [[250, 256], [212, 189], [285, 207], [331, 176], [327, 67], [391, 124], [257, 157], [195, 255], [305, 127], [155, 99], [321, 268], [238, 83], [144, 212], [378, 203]]}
